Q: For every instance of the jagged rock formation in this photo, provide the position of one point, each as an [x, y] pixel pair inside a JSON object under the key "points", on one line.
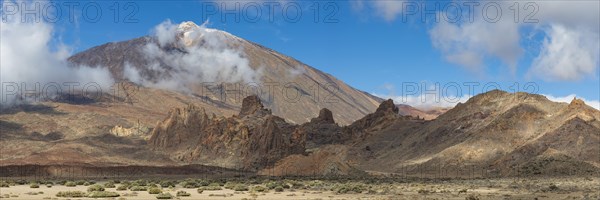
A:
{"points": [[251, 140], [325, 116], [255, 138], [322, 130], [252, 105], [386, 113]]}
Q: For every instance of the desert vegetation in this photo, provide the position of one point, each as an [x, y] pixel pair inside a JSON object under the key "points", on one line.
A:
{"points": [[305, 188]]}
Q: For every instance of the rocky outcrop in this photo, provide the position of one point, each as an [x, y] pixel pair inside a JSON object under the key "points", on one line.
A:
{"points": [[386, 113], [325, 116], [252, 105], [133, 131], [576, 103], [322, 130], [250, 141]]}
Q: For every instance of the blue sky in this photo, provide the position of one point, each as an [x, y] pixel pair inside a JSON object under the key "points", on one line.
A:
{"points": [[368, 45]]}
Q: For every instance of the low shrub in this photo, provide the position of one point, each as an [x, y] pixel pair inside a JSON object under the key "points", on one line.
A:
{"points": [[424, 191], [260, 188], [349, 188], [70, 184], [141, 182], [121, 188], [34, 185], [93, 188], [240, 187], [102, 194], [279, 189], [71, 194], [138, 188], [109, 185], [552, 187], [472, 197], [229, 185], [183, 194], [166, 184], [297, 185], [164, 196], [154, 190], [273, 184], [203, 182], [211, 187], [188, 184]]}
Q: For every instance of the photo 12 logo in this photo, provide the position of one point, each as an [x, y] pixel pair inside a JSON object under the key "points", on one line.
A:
{"points": [[71, 11], [271, 11], [34, 92], [454, 92], [469, 11]]}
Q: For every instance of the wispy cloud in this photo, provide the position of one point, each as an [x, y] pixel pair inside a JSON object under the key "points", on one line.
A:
{"points": [[205, 55], [570, 42], [388, 10], [30, 63]]}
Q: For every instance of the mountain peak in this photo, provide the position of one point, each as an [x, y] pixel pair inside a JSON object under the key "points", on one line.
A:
{"points": [[325, 116], [187, 26], [388, 105], [191, 34], [252, 105], [576, 103]]}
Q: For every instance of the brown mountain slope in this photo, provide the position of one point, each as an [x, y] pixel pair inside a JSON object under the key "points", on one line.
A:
{"points": [[480, 132], [294, 90], [503, 133]]}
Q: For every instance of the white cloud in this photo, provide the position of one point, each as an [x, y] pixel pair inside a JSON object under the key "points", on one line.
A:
{"points": [[296, 71], [567, 54], [572, 14], [567, 99], [388, 9], [204, 55], [28, 59], [469, 44]]}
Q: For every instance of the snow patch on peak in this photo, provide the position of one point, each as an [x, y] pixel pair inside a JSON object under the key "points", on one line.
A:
{"points": [[187, 26], [191, 34]]}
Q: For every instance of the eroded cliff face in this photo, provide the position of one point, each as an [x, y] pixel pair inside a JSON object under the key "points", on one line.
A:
{"points": [[253, 139]]}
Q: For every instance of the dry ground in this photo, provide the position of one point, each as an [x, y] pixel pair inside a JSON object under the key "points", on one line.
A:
{"points": [[509, 188]]}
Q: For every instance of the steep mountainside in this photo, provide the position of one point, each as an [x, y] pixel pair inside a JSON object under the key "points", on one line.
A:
{"points": [[291, 88]]}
